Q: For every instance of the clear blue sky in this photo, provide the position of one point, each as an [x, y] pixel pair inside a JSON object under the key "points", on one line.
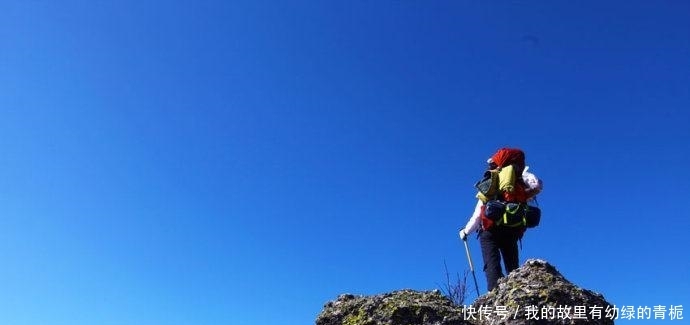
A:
{"points": [[243, 162]]}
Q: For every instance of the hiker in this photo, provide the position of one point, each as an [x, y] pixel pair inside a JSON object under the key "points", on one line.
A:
{"points": [[502, 215]]}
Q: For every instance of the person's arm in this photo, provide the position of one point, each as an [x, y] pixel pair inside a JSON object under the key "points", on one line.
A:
{"points": [[534, 184], [474, 222]]}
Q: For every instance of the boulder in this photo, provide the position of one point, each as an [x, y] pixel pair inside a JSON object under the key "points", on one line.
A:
{"points": [[538, 293], [535, 293], [403, 307]]}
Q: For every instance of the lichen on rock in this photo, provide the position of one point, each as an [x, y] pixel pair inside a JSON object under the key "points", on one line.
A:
{"points": [[403, 307], [535, 293], [538, 292]]}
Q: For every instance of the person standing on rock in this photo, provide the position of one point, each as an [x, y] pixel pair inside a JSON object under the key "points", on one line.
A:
{"points": [[501, 214]]}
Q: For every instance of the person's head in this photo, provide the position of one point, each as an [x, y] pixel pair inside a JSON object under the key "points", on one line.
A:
{"points": [[491, 165]]}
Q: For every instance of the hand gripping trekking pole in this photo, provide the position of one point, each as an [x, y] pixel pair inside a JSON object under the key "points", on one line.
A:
{"points": [[469, 258]]}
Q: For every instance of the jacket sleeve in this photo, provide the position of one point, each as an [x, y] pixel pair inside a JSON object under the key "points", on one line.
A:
{"points": [[475, 220]]}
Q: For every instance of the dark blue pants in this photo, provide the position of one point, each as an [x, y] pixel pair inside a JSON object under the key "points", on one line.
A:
{"points": [[499, 242]]}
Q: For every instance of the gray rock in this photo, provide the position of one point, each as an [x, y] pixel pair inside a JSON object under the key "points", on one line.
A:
{"points": [[404, 307], [535, 293]]}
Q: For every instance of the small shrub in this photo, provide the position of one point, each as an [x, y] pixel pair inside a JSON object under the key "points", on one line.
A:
{"points": [[456, 290]]}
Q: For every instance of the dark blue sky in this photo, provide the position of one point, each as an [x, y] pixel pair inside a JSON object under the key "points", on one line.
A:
{"points": [[244, 162]]}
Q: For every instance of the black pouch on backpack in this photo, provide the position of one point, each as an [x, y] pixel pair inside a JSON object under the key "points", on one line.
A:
{"points": [[494, 210], [533, 216]]}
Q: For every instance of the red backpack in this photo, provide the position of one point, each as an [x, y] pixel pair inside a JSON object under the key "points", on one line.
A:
{"points": [[516, 157], [502, 158], [509, 156]]}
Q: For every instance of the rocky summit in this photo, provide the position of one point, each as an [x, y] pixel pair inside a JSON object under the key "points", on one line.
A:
{"points": [[395, 308], [535, 293]]}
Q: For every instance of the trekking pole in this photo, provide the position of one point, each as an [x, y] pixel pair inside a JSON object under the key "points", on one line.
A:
{"points": [[469, 258]]}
